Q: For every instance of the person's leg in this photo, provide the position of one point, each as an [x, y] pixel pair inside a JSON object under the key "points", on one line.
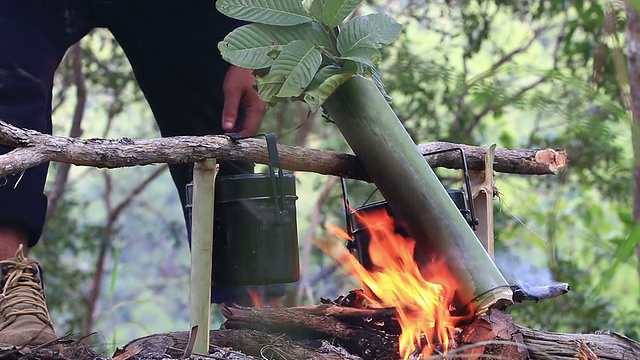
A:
{"points": [[33, 38], [172, 46], [11, 237]]}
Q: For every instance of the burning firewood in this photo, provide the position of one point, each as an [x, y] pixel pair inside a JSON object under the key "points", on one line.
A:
{"points": [[320, 322]]}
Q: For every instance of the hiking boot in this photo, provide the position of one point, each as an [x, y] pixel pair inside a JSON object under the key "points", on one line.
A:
{"points": [[24, 318]]}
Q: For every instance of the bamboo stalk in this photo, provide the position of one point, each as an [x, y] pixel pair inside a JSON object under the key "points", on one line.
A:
{"points": [[413, 191], [204, 175]]}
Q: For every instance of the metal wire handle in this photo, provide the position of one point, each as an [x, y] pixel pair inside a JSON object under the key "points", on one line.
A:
{"points": [[473, 221]]}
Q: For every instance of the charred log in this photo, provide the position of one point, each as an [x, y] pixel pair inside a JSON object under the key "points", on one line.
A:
{"points": [[316, 322], [235, 344]]}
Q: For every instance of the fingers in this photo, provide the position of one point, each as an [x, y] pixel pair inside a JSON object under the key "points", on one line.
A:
{"points": [[243, 110], [254, 114], [230, 109]]}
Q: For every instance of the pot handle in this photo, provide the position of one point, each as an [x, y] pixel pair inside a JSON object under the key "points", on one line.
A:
{"points": [[472, 220], [277, 188]]}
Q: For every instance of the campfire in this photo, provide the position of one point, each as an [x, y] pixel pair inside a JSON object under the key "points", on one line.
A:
{"points": [[409, 307], [423, 299]]}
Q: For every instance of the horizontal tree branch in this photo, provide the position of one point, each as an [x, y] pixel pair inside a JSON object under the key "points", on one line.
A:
{"points": [[33, 148]]}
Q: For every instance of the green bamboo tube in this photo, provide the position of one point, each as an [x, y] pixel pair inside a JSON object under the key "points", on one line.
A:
{"points": [[204, 175], [414, 193]]}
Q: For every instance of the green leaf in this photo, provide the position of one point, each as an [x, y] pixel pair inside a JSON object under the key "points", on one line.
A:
{"points": [[622, 255], [269, 86], [373, 30], [316, 97], [298, 63], [351, 67], [322, 75], [636, 5], [318, 36], [335, 11], [368, 56], [376, 75], [316, 10], [272, 12], [253, 46]]}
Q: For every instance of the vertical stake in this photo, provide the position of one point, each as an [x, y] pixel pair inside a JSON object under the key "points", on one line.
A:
{"points": [[204, 175], [482, 190]]}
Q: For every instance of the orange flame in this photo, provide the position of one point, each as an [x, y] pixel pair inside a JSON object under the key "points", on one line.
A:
{"points": [[255, 296], [396, 281]]}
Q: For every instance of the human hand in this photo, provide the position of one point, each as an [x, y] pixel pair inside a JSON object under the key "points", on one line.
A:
{"points": [[239, 93]]}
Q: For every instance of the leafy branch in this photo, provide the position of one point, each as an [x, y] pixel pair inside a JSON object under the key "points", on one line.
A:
{"points": [[305, 53]]}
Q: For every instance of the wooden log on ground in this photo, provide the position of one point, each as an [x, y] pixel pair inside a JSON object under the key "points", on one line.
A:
{"points": [[496, 335], [310, 332], [33, 148], [235, 344], [493, 335], [601, 345], [315, 323]]}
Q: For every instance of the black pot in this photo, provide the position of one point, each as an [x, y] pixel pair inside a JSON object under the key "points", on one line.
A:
{"points": [[255, 235], [255, 229], [359, 245]]}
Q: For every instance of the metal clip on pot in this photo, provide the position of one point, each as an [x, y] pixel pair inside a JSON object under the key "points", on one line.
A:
{"points": [[470, 213], [279, 197]]}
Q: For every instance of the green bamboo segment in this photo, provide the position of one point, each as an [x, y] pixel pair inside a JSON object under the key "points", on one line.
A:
{"points": [[413, 191], [204, 175]]}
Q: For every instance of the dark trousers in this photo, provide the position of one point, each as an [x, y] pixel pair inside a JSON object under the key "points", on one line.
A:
{"points": [[172, 47]]}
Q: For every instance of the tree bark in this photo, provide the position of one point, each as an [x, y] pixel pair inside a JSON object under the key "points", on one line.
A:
{"points": [[33, 148], [62, 172]]}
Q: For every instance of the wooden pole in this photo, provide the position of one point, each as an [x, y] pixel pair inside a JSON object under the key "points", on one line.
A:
{"points": [[482, 192], [204, 175]]}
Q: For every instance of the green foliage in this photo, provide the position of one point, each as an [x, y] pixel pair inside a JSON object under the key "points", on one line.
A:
{"points": [[369, 31], [273, 12], [255, 46], [291, 60], [623, 253], [297, 64], [334, 12]]}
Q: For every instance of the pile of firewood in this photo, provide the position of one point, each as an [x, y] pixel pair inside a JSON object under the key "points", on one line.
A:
{"points": [[333, 332], [338, 332]]}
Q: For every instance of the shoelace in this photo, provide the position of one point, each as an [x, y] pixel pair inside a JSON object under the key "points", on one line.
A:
{"points": [[22, 292]]}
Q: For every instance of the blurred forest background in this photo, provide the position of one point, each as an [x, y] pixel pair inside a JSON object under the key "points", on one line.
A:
{"points": [[520, 74]]}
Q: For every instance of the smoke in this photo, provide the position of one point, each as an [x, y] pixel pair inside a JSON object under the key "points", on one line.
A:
{"points": [[519, 269]]}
